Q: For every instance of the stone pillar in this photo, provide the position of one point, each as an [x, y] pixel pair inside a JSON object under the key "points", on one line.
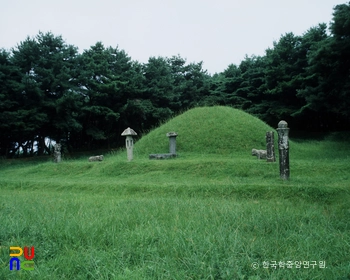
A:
{"points": [[283, 147], [172, 142], [129, 142], [57, 153], [270, 147]]}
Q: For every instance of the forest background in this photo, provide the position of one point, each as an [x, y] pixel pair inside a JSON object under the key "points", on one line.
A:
{"points": [[48, 90]]}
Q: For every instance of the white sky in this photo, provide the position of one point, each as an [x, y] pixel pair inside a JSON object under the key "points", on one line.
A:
{"points": [[217, 32]]}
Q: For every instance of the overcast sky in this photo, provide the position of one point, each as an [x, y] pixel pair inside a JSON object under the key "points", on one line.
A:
{"points": [[217, 32]]}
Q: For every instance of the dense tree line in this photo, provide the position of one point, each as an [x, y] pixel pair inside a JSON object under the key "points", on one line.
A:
{"points": [[48, 90]]}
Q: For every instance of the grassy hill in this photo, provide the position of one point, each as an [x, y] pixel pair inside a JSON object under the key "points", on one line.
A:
{"points": [[208, 130], [214, 212]]}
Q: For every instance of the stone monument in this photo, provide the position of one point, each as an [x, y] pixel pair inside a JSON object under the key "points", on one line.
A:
{"points": [[172, 142], [283, 147], [270, 147]]}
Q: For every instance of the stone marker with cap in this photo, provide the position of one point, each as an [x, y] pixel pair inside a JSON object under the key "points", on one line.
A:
{"points": [[129, 142], [172, 142]]}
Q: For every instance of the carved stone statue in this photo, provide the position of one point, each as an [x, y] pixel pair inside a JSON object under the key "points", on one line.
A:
{"points": [[57, 153], [96, 158], [260, 154]]}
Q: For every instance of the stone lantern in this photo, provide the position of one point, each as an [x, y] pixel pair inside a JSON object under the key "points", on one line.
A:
{"points": [[129, 142]]}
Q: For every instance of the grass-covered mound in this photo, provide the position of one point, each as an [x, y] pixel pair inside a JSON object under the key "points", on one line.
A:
{"points": [[208, 130]]}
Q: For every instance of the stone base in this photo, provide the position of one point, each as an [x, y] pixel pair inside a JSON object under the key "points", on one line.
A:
{"points": [[161, 156]]}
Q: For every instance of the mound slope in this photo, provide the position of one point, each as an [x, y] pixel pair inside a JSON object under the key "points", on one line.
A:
{"points": [[218, 129]]}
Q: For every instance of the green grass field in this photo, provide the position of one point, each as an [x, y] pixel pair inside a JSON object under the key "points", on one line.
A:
{"points": [[214, 212]]}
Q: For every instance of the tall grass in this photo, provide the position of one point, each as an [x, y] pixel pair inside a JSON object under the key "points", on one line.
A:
{"points": [[178, 237], [203, 215]]}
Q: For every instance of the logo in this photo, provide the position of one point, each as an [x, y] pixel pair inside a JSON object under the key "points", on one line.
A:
{"points": [[26, 265]]}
